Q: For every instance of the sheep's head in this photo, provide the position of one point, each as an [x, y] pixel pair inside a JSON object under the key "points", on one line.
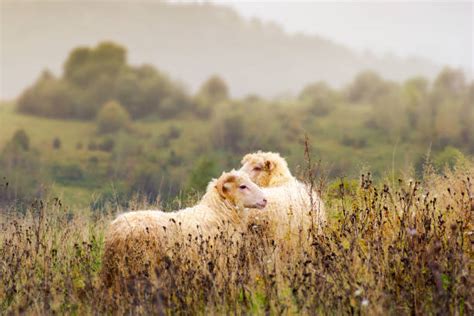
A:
{"points": [[266, 168], [237, 188]]}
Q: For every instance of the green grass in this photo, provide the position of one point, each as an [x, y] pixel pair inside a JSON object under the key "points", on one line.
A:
{"points": [[42, 131], [378, 152]]}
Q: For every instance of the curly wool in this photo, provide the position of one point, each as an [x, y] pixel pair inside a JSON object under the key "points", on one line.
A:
{"points": [[292, 205], [135, 241]]}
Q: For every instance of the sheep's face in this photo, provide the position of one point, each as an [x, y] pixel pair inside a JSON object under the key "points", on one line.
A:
{"points": [[259, 168], [237, 188]]}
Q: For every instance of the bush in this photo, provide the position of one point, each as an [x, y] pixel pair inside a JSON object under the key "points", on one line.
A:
{"points": [[94, 75], [56, 143], [112, 117], [353, 141], [92, 145], [343, 188], [319, 99], [367, 87], [174, 159], [53, 97], [107, 145], [67, 173], [174, 132], [205, 170], [20, 171], [212, 92], [153, 184], [449, 157], [21, 139], [112, 197]]}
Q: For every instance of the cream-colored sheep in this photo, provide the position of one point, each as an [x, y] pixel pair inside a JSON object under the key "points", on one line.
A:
{"points": [[292, 205], [136, 240]]}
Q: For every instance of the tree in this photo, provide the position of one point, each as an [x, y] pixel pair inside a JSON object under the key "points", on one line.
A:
{"points": [[112, 117], [93, 76], [85, 66], [448, 157], [450, 82], [367, 87], [20, 140], [56, 143], [319, 98], [213, 91], [50, 97], [205, 170], [414, 94], [20, 167], [144, 90]]}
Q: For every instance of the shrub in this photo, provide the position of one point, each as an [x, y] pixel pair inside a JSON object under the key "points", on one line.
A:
{"points": [[67, 173], [174, 132], [174, 159], [93, 160], [92, 145], [343, 188], [112, 117], [206, 169], [319, 98], [353, 142], [53, 97], [149, 183], [367, 87], [107, 145], [449, 157], [56, 143], [21, 140], [212, 92], [20, 171]]}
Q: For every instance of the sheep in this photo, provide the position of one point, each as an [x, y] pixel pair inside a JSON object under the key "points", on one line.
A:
{"points": [[292, 206], [135, 241]]}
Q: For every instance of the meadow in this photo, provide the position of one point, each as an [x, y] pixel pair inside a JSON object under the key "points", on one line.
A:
{"points": [[82, 173], [104, 130], [393, 161], [389, 248]]}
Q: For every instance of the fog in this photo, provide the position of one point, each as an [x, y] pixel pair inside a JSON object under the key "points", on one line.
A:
{"points": [[253, 46], [439, 31]]}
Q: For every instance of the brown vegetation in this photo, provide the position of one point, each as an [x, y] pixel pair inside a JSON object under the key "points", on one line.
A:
{"points": [[399, 248]]}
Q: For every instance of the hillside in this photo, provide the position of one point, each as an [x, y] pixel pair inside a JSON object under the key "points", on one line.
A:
{"points": [[191, 42]]}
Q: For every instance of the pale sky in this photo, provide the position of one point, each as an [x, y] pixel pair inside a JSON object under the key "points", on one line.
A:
{"points": [[439, 31]]}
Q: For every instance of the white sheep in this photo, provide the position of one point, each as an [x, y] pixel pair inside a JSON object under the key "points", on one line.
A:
{"points": [[136, 240], [292, 205]]}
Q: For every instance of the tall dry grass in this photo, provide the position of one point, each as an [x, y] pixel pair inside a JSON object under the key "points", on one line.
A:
{"points": [[399, 248]]}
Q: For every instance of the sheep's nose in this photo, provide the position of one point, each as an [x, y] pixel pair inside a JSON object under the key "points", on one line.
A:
{"points": [[265, 201]]}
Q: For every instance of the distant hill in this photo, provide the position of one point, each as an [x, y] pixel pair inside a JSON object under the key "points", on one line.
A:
{"points": [[190, 42]]}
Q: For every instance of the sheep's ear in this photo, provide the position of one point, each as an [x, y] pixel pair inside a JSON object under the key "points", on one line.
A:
{"points": [[224, 184], [269, 165]]}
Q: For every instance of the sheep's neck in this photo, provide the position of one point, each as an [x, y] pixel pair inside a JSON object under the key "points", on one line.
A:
{"points": [[225, 209], [279, 179]]}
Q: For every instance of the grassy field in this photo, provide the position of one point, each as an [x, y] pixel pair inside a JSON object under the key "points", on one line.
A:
{"points": [[402, 249], [144, 146]]}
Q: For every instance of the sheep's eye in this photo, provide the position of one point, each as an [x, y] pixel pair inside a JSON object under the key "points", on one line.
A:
{"points": [[243, 186], [257, 169]]}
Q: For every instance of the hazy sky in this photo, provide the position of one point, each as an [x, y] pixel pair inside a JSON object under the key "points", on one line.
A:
{"points": [[440, 31]]}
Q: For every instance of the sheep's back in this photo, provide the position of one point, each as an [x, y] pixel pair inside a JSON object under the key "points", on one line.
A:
{"points": [[290, 208]]}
